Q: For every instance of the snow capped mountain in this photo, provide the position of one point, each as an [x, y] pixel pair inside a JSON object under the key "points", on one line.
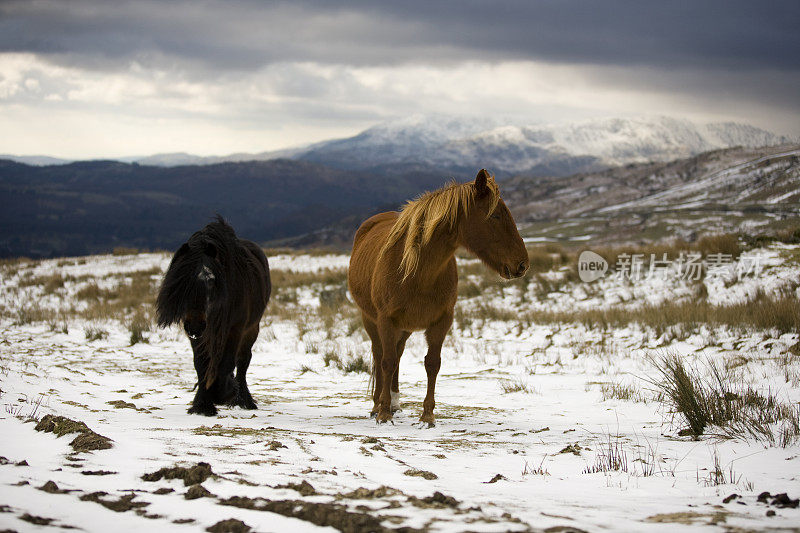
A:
{"points": [[413, 139], [458, 145], [560, 149]]}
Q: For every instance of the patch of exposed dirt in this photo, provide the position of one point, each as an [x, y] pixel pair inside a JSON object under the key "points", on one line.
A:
{"points": [[574, 449], [60, 425], [52, 488], [124, 503], [230, 525], [304, 488], [190, 476], [413, 472], [321, 514], [436, 500], [36, 520], [86, 441], [98, 472], [197, 491], [689, 518], [778, 500], [362, 493], [122, 404]]}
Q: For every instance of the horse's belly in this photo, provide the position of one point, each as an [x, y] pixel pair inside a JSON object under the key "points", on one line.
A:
{"points": [[421, 313]]}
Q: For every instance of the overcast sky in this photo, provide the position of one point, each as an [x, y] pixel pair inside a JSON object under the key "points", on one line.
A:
{"points": [[114, 78]]}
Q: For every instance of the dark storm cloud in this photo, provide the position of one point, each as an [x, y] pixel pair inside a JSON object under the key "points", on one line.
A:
{"points": [[246, 35]]}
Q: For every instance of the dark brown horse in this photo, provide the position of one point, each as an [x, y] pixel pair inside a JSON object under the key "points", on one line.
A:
{"points": [[403, 275], [218, 286]]}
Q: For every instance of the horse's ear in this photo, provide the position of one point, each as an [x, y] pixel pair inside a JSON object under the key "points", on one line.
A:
{"points": [[210, 250], [481, 181]]}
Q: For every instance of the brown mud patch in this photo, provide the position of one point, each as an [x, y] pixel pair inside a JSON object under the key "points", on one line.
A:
{"points": [[36, 520], [321, 514], [51, 488], [230, 525], [304, 488], [86, 441], [124, 503], [197, 491], [689, 518], [413, 472], [191, 476]]}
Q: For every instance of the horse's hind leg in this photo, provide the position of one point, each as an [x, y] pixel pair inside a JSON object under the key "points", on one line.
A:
{"points": [[390, 336], [377, 357], [435, 336], [395, 391], [243, 397]]}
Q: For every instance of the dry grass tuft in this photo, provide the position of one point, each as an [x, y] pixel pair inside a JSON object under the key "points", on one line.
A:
{"points": [[720, 398]]}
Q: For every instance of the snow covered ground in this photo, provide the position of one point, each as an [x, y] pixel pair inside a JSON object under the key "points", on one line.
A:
{"points": [[527, 436]]}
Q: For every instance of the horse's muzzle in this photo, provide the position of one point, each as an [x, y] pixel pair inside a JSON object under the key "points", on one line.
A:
{"points": [[517, 271]]}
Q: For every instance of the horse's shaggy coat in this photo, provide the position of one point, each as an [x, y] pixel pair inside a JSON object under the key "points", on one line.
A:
{"points": [[218, 286], [403, 274]]}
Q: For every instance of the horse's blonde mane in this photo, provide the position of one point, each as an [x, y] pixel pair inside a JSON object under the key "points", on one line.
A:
{"points": [[420, 218]]}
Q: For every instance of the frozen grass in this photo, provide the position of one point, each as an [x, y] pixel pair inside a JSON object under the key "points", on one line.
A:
{"points": [[718, 400], [521, 379], [779, 312]]}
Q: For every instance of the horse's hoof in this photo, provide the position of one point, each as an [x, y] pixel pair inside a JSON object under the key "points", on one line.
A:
{"points": [[382, 418], [205, 410], [373, 414], [246, 403], [426, 422]]}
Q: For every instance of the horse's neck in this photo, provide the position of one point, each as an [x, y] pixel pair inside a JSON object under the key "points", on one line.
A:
{"points": [[435, 255]]}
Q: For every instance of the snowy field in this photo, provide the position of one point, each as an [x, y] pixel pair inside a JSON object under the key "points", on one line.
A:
{"points": [[543, 423]]}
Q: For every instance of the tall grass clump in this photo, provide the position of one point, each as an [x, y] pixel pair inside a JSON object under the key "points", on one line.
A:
{"points": [[355, 364], [138, 326], [720, 399]]}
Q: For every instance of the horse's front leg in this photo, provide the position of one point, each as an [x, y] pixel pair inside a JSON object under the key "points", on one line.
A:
{"points": [[389, 335], [243, 397], [433, 359], [401, 346], [203, 403]]}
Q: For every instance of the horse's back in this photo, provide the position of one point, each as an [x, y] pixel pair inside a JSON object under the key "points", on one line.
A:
{"points": [[381, 223], [367, 244], [258, 271]]}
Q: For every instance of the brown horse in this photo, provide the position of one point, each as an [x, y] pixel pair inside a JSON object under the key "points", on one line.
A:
{"points": [[403, 275]]}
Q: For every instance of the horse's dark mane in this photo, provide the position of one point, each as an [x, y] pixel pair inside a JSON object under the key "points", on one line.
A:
{"points": [[218, 248], [181, 287]]}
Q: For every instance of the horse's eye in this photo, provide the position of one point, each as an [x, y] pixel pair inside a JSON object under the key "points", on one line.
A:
{"points": [[496, 216]]}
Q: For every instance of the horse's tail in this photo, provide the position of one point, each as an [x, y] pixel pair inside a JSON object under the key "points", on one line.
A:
{"points": [[177, 289], [215, 336]]}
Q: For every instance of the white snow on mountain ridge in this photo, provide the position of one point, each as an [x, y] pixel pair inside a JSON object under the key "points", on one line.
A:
{"points": [[460, 142], [451, 143]]}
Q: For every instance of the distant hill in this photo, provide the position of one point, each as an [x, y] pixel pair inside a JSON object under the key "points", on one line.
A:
{"points": [[750, 190], [91, 207]]}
